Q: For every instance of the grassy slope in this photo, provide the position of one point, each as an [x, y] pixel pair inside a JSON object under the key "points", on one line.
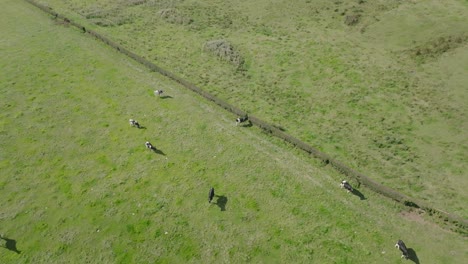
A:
{"points": [[355, 92], [78, 186]]}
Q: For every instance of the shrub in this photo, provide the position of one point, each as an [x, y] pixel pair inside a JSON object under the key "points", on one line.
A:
{"points": [[225, 51], [173, 16], [352, 20]]}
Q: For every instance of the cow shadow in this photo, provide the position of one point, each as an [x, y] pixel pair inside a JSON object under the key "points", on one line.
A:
{"points": [[158, 151], [10, 245], [412, 256], [358, 194], [247, 124], [166, 97], [142, 127], [221, 202]]}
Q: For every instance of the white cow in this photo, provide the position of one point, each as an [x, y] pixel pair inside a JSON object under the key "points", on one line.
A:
{"points": [[134, 123], [149, 145], [241, 119], [158, 92]]}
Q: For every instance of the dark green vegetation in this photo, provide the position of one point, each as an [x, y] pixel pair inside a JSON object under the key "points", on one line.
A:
{"points": [[78, 186], [379, 85]]}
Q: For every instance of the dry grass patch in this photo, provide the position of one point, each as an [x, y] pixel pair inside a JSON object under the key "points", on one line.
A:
{"points": [[173, 16], [224, 50], [436, 47]]}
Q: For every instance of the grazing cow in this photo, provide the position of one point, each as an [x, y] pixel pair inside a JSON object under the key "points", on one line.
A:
{"points": [[241, 119], [211, 194], [346, 185], [402, 247], [149, 146], [134, 123], [158, 92]]}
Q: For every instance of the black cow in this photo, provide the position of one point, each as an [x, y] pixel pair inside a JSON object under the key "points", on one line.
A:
{"points": [[134, 123], [211, 194], [242, 119], [149, 145], [346, 185], [402, 247], [158, 92]]}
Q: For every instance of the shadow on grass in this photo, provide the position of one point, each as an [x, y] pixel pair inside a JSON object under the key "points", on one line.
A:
{"points": [[248, 124], [158, 151], [10, 245], [142, 127], [221, 202], [358, 194], [166, 97], [412, 256]]}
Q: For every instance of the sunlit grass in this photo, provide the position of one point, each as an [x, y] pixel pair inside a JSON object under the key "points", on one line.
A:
{"points": [[78, 184]]}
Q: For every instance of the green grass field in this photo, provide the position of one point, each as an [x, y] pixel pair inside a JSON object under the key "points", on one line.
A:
{"points": [[380, 85], [78, 186]]}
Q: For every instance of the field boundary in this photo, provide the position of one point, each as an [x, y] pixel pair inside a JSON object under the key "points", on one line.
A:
{"points": [[459, 224]]}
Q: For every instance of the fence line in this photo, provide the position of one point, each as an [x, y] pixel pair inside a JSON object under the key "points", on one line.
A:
{"points": [[460, 223]]}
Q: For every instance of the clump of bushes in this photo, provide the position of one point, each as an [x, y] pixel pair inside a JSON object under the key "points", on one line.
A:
{"points": [[352, 20], [173, 16], [438, 46], [95, 12], [99, 16], [105, 17], [103, 22], [225, 51], [134, 2]]}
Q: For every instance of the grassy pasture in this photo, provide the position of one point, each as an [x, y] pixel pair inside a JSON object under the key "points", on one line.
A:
{"points": [[380, 85], [78, 186]]}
